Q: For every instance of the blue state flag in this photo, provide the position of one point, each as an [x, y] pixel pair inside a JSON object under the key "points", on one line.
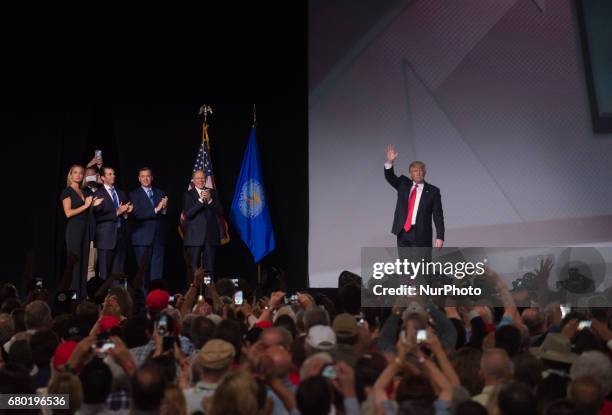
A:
{"points": [[250, 215]]}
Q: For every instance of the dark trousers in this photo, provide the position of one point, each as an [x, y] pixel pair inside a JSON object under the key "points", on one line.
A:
{"points": [[407, 239], [203, 256], [77, 244], [112, 261], [413, 252], [156, 260]]}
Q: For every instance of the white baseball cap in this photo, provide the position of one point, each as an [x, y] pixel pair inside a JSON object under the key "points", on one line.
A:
{"points": [[321, 337]]}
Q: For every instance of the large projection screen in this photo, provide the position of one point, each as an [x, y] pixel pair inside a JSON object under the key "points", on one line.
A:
{"points": [[490, 95]]}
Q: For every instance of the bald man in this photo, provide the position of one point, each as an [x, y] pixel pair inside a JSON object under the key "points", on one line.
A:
{"points": [[281, 359]]}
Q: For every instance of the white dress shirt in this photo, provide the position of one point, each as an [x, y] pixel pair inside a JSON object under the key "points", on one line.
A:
{"points": [[155, 209], [150, 189], [201, 192], [110, 192], [419, 191]]}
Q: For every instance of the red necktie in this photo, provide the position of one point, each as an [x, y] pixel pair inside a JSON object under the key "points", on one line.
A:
{"points": [[411, 201]]}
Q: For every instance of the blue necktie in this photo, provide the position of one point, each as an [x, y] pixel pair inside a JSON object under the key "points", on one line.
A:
{"points": [[150, 194], [115, 198], [116, 203]]}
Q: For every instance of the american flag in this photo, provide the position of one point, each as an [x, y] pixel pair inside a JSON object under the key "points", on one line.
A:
{"points": [[204, 163]]}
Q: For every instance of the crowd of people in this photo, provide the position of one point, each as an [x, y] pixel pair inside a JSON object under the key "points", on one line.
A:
{"points": [[208, 351]]}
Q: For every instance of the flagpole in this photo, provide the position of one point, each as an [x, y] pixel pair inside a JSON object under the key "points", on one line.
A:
{"points": [[205, 110], [259, 275], [259, 287], [257, 263]]}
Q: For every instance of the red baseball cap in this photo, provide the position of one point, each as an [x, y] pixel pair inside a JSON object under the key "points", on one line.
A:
{"points": [[157, 300], [108, 322], [263, 324], [62, 354]]}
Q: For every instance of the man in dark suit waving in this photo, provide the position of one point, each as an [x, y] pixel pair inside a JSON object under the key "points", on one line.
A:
{"points": [[201, 207], [110, 215], [417, 204], [149, 228]]}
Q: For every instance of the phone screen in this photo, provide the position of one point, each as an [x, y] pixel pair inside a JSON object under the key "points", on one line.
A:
{"points": [[292, 299], [162, 326], [101, 347], [107, 346], [329, 372], [238, 298], [421, 336], [584, 324], [565, 309]]}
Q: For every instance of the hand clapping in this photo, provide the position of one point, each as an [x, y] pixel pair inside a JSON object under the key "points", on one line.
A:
{"points": [[206, 195], [162, 203], [123, 208]]}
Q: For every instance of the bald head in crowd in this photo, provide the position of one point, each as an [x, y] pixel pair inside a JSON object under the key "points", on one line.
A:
{"points": [[495, 366], [282, 360]]}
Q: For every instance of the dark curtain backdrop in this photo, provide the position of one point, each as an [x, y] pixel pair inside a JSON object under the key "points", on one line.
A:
{"points": [[129, 80]]}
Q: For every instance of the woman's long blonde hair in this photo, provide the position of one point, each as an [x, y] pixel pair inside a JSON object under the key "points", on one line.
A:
{"points": [[69, 180]]}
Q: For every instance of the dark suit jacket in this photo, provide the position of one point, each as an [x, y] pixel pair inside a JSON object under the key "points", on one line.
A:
{"points": [[106, 219], [201, 225], [430, 207], [146, 224]]}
